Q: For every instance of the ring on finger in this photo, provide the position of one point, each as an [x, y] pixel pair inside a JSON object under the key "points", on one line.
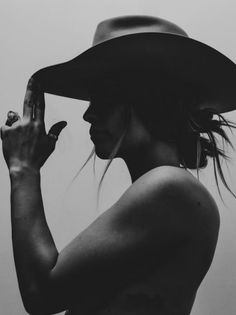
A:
{"points": [[12, 117]]}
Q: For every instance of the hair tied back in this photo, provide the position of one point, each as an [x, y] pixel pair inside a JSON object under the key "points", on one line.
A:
{"points": [[201, 121]]}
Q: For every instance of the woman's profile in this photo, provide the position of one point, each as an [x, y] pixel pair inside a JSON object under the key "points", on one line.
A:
{"points": [[153, 93]]}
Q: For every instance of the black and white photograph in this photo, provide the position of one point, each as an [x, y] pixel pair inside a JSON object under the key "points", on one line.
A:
{"points": [[118, 157]]}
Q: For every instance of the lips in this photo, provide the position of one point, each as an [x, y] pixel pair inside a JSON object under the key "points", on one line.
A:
{"points": [[96, 132]]}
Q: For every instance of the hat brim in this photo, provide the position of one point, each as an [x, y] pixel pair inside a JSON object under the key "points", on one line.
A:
{"points": [[182, 58]]}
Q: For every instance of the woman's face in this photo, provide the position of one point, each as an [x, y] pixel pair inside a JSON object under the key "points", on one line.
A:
{"points": [[107, 117]]}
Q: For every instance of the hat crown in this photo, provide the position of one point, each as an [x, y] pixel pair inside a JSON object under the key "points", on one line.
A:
{"points": [[131, 24]]}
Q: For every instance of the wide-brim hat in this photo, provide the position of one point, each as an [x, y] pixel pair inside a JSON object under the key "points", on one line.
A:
{"points": [[146, 48]]}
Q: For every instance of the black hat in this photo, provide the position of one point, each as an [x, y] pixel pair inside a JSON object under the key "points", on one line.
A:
{"points": [[145, 45]]}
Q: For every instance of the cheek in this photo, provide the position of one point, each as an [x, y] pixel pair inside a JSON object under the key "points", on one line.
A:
{"points": [[138, 134], [117, 122]]}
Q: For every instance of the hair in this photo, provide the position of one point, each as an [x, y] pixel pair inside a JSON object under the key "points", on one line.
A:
{"points": [[187, 126], [195, 148]]}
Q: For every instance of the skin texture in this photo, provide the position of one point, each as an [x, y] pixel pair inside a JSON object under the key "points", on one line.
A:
{"points": [[147, 254]]}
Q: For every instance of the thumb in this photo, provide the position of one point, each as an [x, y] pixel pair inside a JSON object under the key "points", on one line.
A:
{"points": [[57, 128]]}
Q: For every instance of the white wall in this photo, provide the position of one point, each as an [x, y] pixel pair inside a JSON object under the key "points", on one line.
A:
{"points": [[35, 34]]}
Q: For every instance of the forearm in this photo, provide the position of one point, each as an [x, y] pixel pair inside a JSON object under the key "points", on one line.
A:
{"points": [[34, 250]]}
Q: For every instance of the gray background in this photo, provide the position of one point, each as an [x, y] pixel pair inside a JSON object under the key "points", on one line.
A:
{"points": [[35, 34]]}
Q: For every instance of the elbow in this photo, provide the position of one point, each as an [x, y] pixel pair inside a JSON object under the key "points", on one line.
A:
{"points": [[37, 308], [33, 301], [42, 303], [34, 304], [34, 309]]}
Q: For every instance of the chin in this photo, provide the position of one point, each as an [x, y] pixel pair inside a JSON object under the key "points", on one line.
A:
{"points": [[103, 153]]}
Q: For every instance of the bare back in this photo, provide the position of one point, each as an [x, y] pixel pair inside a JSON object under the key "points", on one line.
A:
{"points": [[170, 287]]}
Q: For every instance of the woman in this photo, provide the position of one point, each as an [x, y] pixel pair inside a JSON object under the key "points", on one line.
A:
{"points": [[148, 253]]}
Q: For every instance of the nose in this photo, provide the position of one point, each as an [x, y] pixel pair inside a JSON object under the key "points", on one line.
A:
{"points": [[90, 114]]}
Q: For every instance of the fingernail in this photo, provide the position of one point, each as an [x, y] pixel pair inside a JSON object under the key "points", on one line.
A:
{"points": [[30, 83]]}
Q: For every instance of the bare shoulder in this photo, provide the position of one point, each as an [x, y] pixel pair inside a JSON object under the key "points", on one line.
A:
{"points": [[194, 198], [175, 192]]}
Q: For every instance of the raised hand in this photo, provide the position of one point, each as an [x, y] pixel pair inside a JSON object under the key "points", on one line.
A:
{"points": [[25, 142]]}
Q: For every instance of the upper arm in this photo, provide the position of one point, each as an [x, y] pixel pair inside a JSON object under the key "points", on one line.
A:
{"points": [[121, 245]]}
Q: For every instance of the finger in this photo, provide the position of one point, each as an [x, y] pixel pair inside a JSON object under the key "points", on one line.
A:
{"points": [[40, 106], [57, 128], [29, 100], [2, 131]]}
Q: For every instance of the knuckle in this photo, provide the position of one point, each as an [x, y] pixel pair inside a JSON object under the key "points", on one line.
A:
{"points": [[38, 125], [23, 123]]}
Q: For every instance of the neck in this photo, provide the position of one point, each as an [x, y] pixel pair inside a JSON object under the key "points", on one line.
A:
{"points": [[143, 159]]}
